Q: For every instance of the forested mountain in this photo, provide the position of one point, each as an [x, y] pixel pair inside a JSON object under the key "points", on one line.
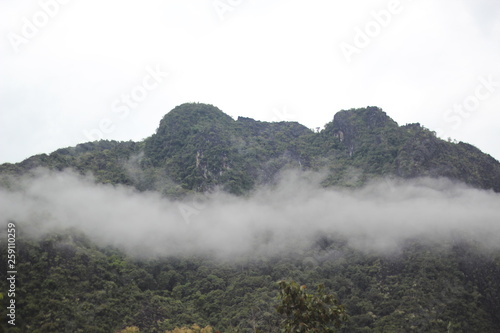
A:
{"points": [[197, 147], [68, 282]]}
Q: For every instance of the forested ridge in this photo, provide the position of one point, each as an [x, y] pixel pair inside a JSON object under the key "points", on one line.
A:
{"points": [[198, 147], [67, 282]]}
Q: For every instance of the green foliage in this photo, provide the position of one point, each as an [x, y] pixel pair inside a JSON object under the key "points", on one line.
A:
{"points": [[105, 160], [68, 284], [131, 329], [198, 148], [193, 329], [305, 313]]}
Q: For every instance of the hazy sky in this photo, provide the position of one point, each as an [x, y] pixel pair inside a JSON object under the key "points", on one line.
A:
{"points": [[72, 71]]}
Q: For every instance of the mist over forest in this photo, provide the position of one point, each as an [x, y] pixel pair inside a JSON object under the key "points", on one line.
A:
{"points": [[272, 220], [191, 229]]}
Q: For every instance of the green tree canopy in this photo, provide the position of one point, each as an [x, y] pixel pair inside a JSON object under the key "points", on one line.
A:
{"points": [[304, 312]]}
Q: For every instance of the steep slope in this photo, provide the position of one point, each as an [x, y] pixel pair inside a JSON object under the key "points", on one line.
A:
{"points": [[199, 147], [194, 145]]}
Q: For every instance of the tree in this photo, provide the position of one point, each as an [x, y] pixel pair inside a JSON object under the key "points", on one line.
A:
{"points": [[130, 329], [193, 329], [305, 312]]}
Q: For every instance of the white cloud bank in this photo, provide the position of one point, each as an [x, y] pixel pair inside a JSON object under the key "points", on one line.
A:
{"points": [[270, 221]]}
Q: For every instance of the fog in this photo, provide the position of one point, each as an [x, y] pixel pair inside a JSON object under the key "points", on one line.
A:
{"points": [[273, 220]]}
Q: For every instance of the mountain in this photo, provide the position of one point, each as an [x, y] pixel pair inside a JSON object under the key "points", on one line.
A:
{"points": [[83, 277], [197, 148]]}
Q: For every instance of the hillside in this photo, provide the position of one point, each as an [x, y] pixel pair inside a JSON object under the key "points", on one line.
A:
{"points": [[197, 223], [197, 148], [70, 285]]}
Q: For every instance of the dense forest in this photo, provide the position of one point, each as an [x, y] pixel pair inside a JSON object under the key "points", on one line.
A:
{"points": [[69, 282], [70, 285]]}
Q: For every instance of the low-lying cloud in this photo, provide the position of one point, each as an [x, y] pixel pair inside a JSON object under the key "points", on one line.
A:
{"points": [[272, 220]]}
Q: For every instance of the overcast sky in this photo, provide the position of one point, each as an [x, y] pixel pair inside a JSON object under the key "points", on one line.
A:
{"points": [[72, 71]]}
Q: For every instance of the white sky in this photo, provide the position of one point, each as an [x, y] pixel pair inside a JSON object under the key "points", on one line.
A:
{"points": [[271, 60]]}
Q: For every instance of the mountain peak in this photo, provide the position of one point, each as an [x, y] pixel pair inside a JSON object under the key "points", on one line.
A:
{"points": [[192, 114], [371, 117], [355, 126]]}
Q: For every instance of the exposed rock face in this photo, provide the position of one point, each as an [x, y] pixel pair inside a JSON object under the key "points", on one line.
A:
{"points": [[350, 127]]}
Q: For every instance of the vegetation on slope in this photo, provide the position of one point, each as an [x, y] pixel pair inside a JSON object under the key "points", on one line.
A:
{"points": [[198, 148], [68, 284]]}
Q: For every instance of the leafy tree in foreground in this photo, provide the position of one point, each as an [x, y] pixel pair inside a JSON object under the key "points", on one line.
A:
{"points": [[305, 312], [193, 329], [130, 329]]}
